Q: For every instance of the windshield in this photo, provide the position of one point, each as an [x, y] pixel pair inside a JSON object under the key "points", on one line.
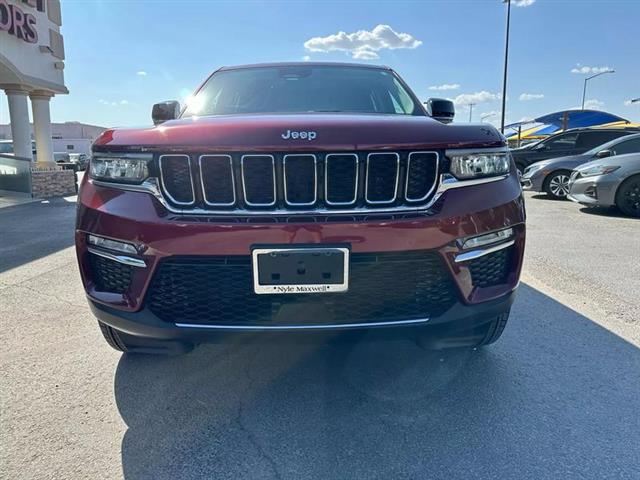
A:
{"points": [[608, 145], [301, 89]]}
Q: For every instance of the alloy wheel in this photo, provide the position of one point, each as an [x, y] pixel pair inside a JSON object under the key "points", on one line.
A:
{"points": [[559, 185]]}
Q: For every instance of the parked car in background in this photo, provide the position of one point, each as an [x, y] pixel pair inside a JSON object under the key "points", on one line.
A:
{"points": [[552, 176], [607, 182], [6, 147], [61, 157], [570, 142], [80, 159]]}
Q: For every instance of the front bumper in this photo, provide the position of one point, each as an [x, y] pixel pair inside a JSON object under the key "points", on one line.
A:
{"points": [[593, 191], [140, 219], [533, 182]]}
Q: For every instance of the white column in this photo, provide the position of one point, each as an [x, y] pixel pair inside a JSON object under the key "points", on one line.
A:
{"points": [[19, 119], [42, 126]]}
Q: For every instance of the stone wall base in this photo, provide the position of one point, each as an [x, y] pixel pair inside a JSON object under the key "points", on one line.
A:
{"points": [[53, 182]]}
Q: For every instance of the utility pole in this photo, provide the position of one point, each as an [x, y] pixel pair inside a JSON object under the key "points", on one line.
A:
{"points": [[506, 59], [584, 90], [471, 111]]}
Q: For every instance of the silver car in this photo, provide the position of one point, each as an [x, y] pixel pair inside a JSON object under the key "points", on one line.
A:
{"points": [[552, 176], [608, 182]]}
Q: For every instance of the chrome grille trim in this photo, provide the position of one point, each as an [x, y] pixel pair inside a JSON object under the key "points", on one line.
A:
{"points": [[164, 188], [366, 183], [315, 179], [406, 183], [150, 186], [244, 187], [233, 181], [153, 186], [326, 176]]}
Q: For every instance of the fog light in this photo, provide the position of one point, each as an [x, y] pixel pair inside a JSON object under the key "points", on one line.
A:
{"points": [[591, 192], [112, 244], [489, 238]]}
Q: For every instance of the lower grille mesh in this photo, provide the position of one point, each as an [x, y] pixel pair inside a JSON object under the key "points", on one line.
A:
{"points": [[110, 276], [219, 290], [492, 269]]}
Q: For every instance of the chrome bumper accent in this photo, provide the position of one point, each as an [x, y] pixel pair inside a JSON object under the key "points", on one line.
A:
{"points": [[133, 262], [472, 255], [336, 326]]}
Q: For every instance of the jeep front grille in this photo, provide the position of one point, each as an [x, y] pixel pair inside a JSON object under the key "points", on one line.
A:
{"points": [[302, 182]]}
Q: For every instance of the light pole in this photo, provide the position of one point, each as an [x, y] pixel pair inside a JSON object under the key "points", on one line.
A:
{"points": [[584, 90], [635, 100], [470, 110], [506, 59]]}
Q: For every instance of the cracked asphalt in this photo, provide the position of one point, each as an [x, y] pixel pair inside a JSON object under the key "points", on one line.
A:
{"points": [[557, 397]]}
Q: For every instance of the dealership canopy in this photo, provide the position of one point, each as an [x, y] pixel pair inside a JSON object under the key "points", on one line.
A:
{"points": [[545, 125]]}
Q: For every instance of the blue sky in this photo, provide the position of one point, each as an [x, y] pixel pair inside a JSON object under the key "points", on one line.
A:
{"points": [[122, 56]]}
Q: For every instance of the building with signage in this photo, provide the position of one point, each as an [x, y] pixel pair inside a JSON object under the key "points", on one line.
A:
{"points": [[68, 137], [31, 74]]}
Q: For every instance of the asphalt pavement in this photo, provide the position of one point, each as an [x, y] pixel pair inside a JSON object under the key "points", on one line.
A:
{"points": [[557, 397]]}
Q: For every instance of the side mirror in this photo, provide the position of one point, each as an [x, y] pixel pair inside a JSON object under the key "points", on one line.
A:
{"points": [[604, 154], [164, 111], [441, 109]]}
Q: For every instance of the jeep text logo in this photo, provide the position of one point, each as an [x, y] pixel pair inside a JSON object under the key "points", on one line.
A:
{"points": [[294, 135]]}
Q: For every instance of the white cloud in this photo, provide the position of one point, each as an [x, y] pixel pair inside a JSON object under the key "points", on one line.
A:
{"points": [[113, 104], [478, 97], [583, 69], [593, 104], [445, 86], [530, 96], [306, 58], [363, 44], [141, 73], [524, 3]]}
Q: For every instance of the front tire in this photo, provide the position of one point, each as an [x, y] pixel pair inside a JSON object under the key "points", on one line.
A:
{"points": [[556, 184], [484, 334], [123, 342], [628, 196]]}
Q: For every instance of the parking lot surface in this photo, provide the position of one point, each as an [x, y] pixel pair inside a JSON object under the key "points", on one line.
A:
{"points": [[557, 397]]}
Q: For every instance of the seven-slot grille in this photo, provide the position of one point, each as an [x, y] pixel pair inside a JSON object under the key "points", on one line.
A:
{"points": [[299, 181]]}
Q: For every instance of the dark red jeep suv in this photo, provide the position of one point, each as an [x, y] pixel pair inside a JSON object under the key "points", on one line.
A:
{"points": [[300, 197]]}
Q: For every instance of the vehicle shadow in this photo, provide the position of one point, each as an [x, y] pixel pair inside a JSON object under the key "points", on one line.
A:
{"points": [[556, 397], [544, 196], [49, 229], [604, 212]]}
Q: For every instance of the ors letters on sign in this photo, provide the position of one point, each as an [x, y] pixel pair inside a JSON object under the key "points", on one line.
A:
{"points": [[16, 22]]}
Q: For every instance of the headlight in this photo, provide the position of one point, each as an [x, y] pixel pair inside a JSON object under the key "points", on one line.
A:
{"points": [[125, 168], [479, 164], [599, 170]]}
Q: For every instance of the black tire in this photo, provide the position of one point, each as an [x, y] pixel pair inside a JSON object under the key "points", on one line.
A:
{"points": [[628, 196], [495, 329], [556, 185], [484, 334], [123, 342]]}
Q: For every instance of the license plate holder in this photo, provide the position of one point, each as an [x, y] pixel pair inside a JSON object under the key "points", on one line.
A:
{"points": [[300, 270]]}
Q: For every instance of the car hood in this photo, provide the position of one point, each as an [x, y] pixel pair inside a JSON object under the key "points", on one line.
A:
{"points": [[629, 161], [569, 162], [332, 132]]}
